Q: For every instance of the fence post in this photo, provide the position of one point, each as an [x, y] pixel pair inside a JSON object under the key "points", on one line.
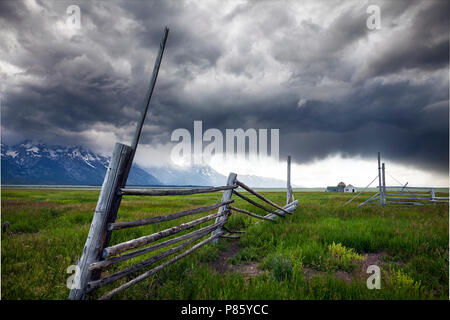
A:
{"points": [[105, 212], [384, 186], [137, 133], [109, 200], [403, 188], [433, 195], [379, 180], [288, 190], [225, 197]]}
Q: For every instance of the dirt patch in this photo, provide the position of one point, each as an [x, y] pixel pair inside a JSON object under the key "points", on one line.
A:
{"points": [[222, 264], [309, 273], [248, 270], [347, 277], [371, 259]]}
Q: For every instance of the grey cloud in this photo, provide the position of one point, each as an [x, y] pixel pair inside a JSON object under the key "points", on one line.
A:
{"points": [[100, 76], [424, 46]]}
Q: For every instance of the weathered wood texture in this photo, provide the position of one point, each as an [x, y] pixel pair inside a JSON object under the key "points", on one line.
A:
{"points": [[400, 187], [373, 198], [384, 183], [105, 263], [161, 266], [288, 187], [406, 194], [251, 214], [132, 244], [406, 202], [289, 207], [148, 97], [224, 209], [410, 198], [257, 204], [242, 185], [380, 191], [106, 210], [143, 222], [172, 192], [232, 231], [109, 200], [360, 193], [136, 267], [230, 237]]}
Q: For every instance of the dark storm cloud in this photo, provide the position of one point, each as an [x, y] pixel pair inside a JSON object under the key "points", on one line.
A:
{"points": [[330, 84], [424, 47]]}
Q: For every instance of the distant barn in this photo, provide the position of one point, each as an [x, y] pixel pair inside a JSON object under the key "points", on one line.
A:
{"points": [[341, 187], [349, 188]]}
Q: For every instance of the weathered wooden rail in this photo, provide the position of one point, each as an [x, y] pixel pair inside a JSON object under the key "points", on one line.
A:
{"points": [[98, 255], [400, 196], [111, 255]]}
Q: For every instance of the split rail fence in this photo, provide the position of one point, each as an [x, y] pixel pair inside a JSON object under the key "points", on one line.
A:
{"points": [[98, 255], [120, 252], [400, 196]]}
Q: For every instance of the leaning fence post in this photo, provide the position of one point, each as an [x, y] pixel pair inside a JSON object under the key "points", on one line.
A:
{"points": [[109, 200], [289, 189], [384, 186], [225, 197], [379, 180], [105, 212]]}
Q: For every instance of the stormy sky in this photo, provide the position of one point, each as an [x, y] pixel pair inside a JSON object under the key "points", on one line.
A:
{"points": [[313, 69]]}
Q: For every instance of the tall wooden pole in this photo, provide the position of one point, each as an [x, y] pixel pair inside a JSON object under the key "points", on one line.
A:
{"points": [[149, 94], [384, 185], [288, 195], [109, 200], [138, 131], [379, 179]]}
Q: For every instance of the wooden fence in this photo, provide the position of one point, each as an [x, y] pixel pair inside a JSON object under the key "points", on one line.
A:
{"points": [[400, 196], [98, 255], [120, 252]]}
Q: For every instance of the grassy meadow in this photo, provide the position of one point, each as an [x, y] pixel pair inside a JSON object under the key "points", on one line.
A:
{"points": [[321, 251]]}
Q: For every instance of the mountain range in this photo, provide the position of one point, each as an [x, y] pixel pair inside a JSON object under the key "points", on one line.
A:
{"points": [[36, 163], [41, 164]]}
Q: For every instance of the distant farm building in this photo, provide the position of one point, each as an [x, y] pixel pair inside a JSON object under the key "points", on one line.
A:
{"points": [[349, 188], [341, 187]]}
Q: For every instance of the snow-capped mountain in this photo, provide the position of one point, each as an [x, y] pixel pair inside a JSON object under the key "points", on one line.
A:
{"points": [[262, 182], [37, 163], [207, 176], [195, 175], [34, 163]]}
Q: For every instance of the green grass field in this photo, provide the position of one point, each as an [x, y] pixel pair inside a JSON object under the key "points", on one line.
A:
{"points": [[319, 252]]}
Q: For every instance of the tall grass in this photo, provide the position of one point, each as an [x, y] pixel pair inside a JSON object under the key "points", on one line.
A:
{"points": [[301, 254]]}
